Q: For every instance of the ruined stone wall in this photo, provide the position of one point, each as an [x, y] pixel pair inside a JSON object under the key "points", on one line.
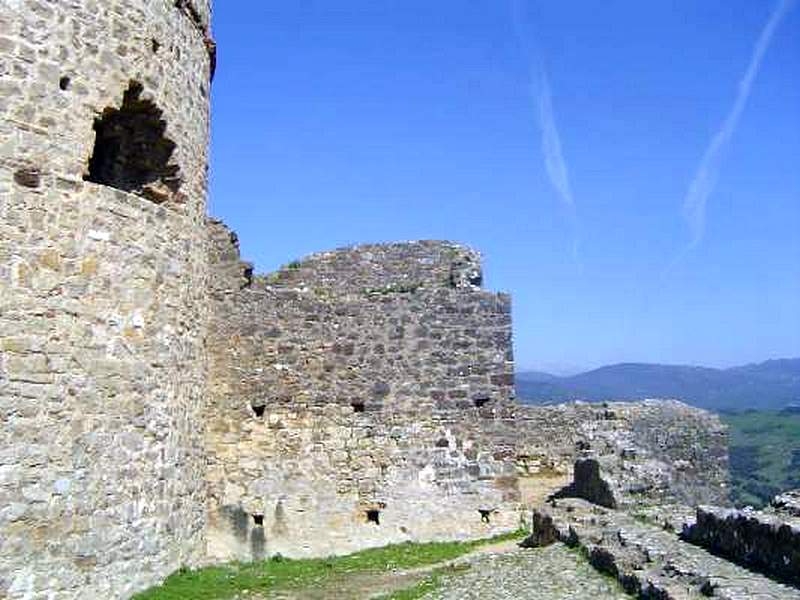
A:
{"points": [[384, 268], [763, 542], [102, 299], [650, 452], [376, 383], [332, 384], [356, 398]]}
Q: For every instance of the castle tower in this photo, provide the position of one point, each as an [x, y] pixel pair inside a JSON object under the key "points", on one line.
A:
{"points": [[104, 117]]}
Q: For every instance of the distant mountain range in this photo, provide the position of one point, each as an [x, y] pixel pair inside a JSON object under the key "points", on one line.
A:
{"points": [[773, 384]]}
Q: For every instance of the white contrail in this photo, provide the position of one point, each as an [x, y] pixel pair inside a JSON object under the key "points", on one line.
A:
{"points": [[554, 162], [551, 144], [694, 205]]}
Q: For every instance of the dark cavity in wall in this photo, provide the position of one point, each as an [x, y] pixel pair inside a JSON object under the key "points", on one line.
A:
{"points": [[247, 274], [63, 84], [131, 152], [258, 520], [485, 515], [481, 401], [191, 11], [258, 409], [374, 516], [358, 406], [29, 178]]}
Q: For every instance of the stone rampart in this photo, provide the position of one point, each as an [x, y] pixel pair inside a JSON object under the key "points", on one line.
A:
{"points": [[384, 268], [334, 382], [102, 299], [382, 396]]}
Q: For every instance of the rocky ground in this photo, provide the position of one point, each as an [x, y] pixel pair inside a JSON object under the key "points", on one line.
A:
{"points": [[652, 561], [551, 573], [500, 572]]}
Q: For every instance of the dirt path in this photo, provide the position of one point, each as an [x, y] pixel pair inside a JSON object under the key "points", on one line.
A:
{"points": [[371, 584]]}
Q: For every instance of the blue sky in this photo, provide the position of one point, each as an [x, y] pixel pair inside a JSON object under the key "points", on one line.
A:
{"points": [[561, 139]]}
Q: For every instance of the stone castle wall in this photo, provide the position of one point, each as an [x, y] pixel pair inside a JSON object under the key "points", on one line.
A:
{"points": [[102, 306], [162, 406], [332, 384], [375, 383]]}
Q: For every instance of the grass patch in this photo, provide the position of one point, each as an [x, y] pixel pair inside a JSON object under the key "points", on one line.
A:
{"points": [[226, 581]]}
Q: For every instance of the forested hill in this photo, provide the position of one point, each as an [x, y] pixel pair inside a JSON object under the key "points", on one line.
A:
{"points": [[767, 385]]}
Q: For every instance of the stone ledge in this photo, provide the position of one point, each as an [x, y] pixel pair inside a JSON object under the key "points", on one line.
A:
{"points": [[763, 542], [650, 562]]}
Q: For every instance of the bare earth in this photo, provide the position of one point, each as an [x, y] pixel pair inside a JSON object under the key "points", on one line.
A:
{"points": [[499, 572]]}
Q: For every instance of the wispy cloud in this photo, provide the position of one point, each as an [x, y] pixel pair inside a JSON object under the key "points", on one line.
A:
{"points": [[705, 178], [551, 144], [554, 162]]}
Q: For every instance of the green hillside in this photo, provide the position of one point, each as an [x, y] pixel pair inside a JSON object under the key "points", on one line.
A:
{"points": [[764, 454]]}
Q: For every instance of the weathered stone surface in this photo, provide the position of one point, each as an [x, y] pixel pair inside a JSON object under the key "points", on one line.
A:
{"points": [[651, 562], [345, 401], [374, 367], [102, 305], [588, 484], [543, 531], [161, 405], [787, 503], [762, 542], [552, 573]]}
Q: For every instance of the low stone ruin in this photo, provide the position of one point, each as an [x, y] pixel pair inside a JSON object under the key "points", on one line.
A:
{"points": [[588, 484], [648, 560], [760, 541], [787, 503]]}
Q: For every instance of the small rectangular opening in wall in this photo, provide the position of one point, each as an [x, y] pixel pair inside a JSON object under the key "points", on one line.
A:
{"points": [[481, 401], [374, 516], [258, 409], [485, 515], [358, 406], [258, 520]]}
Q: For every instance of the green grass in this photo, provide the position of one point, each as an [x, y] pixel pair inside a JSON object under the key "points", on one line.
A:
{"points": [[415, 592], [765, 455], [225, 581]]}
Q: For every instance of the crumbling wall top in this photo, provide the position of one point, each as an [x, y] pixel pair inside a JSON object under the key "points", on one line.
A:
{"points": [[384, 268]]}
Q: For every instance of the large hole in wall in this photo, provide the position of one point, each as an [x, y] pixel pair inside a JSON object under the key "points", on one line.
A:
{"points": [[374, 516], [358, 406], [485, 515], [131, 152]]}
